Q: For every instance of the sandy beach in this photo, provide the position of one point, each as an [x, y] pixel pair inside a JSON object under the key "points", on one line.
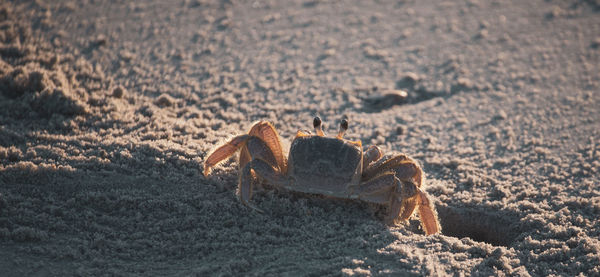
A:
{"points": [[108, 109]]}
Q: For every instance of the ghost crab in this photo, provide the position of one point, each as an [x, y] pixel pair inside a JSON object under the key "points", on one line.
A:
{"points": [[330, 166]]}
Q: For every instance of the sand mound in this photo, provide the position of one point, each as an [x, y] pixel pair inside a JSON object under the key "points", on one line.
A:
{"points": [[43, 92], [37, 81]]}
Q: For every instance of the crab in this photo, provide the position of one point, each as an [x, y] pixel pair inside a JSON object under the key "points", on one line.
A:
{"points": [[329, 166]]}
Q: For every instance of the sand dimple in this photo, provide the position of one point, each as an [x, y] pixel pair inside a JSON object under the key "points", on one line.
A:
{"points": [[495, 227]]}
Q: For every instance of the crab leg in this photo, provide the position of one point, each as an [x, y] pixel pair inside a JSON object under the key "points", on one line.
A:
{"points": [[259, 149], [381, 190], [264, 170], [263, 164], [409, 204], [223, 152], [387, 188], [266, 132], [385, 181], [245, 184], [427, 214], [414, 197], [373, 153], [404, 167], [396, 207], [263, 130], [410, 174]]}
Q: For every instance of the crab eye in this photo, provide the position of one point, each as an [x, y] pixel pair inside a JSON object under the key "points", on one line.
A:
{"points": [[316, 122], [344, 124]]}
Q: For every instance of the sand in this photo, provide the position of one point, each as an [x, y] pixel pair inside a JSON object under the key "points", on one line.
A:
{"points": [[108, 109]]}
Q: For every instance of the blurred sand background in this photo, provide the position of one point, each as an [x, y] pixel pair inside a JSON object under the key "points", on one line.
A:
{"points": [[108, 109]]}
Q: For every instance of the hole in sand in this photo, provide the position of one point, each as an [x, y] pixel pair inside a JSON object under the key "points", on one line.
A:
{"points": [[498, 228]]}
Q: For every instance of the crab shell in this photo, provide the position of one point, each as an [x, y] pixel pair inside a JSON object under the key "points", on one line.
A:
{"points": [[324, 165]]}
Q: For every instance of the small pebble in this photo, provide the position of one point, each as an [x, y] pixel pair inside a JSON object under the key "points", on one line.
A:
{"points": [[387, 99]]}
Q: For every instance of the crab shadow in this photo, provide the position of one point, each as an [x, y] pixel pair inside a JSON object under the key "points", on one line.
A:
{"points": [[121, 207], [151, 203]]}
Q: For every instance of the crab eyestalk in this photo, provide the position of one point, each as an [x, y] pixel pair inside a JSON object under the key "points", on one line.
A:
{"points": [[317, 125], [343, 128]]}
